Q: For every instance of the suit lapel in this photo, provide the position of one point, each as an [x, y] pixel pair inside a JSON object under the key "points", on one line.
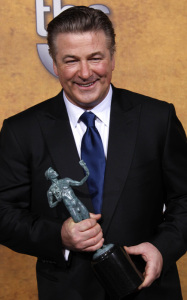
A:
{"points": [[122, 138], [54, 123]]}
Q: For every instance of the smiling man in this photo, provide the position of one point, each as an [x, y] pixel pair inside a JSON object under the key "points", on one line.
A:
{"points": [[84, 66], [144, 157]]}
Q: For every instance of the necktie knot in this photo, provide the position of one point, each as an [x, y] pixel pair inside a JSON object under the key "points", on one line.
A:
{"points": [[88, 118]]}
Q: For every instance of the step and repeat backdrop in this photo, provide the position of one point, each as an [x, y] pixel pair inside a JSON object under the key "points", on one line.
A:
{"points": [[151, 59]]}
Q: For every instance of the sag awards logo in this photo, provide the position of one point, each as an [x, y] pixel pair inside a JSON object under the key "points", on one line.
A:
{"points": [[56, 9]]}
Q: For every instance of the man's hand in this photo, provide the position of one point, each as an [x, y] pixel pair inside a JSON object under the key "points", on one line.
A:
{"points": [[153, 259], [86, 235]]}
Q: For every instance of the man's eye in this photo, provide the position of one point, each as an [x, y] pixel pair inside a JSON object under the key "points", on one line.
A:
{"points": [[71, 61], [96, 58]]}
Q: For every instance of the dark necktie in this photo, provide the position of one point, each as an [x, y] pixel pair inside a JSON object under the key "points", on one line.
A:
{"points": [[93, 154]]}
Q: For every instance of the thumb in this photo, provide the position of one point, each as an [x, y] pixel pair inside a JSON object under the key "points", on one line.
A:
{"points": [[95, 216], [134, 250]]}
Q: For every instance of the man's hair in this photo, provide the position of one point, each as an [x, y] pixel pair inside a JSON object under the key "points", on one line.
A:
{"points": [[79, 19]]}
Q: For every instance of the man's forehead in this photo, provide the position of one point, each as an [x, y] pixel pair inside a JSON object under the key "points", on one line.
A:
{"points": [[91, 41]]}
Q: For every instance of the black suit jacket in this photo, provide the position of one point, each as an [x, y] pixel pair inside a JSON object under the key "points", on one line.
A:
{"points": [[146, 168]]}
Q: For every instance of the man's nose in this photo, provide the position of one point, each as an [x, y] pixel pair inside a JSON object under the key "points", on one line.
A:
{"points": [[85, 70]]}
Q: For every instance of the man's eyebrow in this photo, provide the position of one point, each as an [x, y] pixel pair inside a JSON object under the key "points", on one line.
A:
{"points": [[69, 56], [96, 53]]}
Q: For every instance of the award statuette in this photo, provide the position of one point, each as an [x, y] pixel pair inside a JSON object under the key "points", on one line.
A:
{"points": [[112, 265]]}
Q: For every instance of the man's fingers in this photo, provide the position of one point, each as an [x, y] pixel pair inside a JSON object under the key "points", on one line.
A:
{"points": [[91, 232], [153, 259], [89, 240], [86, 235], [95, 246], [152, 272], [93, 243], [149, 277]]}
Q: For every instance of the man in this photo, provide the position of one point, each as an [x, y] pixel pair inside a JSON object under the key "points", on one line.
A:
{"points": [[145, 149]]}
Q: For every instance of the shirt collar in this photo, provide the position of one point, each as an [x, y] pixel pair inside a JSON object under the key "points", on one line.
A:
{"points": [[102, 110]]}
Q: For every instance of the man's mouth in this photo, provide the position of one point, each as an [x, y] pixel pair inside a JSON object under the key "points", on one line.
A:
{"points": [[86, 84]]}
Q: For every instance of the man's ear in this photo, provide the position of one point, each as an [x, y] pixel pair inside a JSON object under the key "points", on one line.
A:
{"points": [[55, 68]]}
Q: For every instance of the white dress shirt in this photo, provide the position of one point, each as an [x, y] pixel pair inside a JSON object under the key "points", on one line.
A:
{"points": [[102, 121], [102, 112]]}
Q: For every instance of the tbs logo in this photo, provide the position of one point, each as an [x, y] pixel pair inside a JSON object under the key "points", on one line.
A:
{"points": [[57, 8]]}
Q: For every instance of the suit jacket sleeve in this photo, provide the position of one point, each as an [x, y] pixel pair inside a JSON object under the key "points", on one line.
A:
{"points": [[21, 229], [171, 236]]}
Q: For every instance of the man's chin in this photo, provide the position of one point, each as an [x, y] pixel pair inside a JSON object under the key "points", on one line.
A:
{"points": [[85, 100], [87, 104]]}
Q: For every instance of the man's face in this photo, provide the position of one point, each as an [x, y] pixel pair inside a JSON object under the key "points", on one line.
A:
{"points": [[84, 66]]}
